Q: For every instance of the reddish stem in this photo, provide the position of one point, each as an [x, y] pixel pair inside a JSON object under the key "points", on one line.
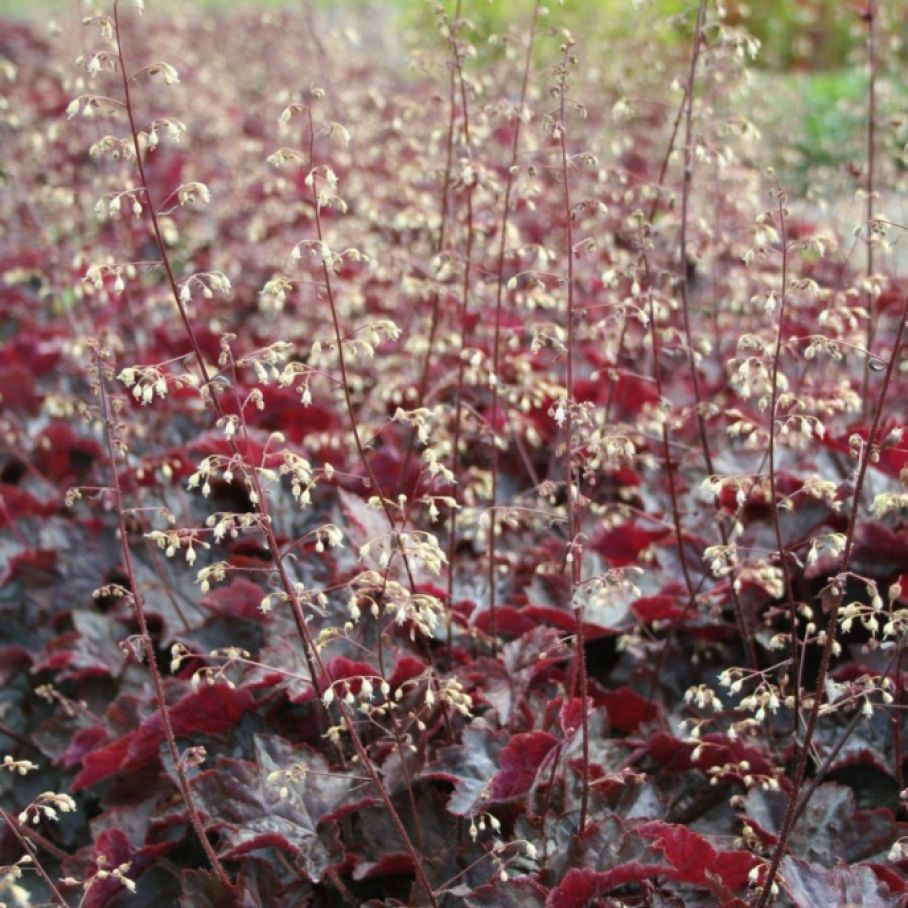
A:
{"points": [[464, 303], [832, 602], [312, 656], [776, 521], [150, 655], [870, 16], [575, 544], [496, 343], [897, 721], [27, 848], [423, 385], [654, 208], [670, 471], [261, 505], [351, 413], [687, 176], [836, 749]]}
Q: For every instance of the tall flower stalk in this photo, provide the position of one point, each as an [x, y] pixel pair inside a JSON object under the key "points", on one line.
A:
{"points": [[114, 442], [512, 172], [575, 545]]}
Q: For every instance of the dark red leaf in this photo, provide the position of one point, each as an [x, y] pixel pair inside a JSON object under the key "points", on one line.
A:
{"points": [[657, 608], [91, 650], [570, 715], [522, 892], [350, 673], [405, 669], [211, 709], [62, 455], [509, 621], [17, 504], [694, 860], [623, 545], [208, 710], [19, 391], [204, 889], [520, 760], [580, 886], [689, 853], [239, 599], [13, 659], [113, 849], [626, 709]]}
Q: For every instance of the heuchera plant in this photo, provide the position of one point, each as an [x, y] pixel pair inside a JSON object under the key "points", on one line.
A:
{"points": [[477, 483]]}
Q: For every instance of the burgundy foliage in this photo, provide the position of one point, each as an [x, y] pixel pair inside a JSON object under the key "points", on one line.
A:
{"points": [[356, 713]]}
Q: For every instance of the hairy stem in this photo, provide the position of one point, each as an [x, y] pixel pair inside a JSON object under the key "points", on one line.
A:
{"points": [[315, 664], [28, 849], [651, 215], [354, 427], [836, 749]]}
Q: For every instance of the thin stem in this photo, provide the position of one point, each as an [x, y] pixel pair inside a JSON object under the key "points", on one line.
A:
{"points": [[774, 502], [832, 601], [687, 177], [312, 656], [27, 848], [575, 545], [423, 385], [897, 720], [150, 655], [464, 303], [165, 259], [651, 216], [342, 360], [41, 841], [351, 414], [395, 728], [870, 16], [836, 749], [670, 472], [261, 504], [496, 343]]}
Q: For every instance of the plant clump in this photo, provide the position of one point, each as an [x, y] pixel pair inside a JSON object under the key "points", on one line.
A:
{"points": [[477, 482]]}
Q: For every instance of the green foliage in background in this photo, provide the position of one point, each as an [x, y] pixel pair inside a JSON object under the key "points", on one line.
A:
{"points": [[815, 34], [834, 116], [812, 34], [808, 34]]}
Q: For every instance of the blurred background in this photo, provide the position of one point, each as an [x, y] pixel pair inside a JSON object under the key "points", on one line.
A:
{"points": [[795, 34], [808, 83]]}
